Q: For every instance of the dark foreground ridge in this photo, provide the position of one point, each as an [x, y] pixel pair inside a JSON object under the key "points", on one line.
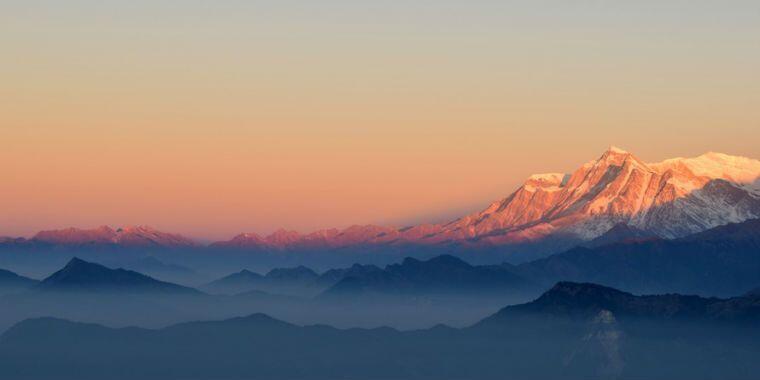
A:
{"points": [[591, 331], [583, 301]]}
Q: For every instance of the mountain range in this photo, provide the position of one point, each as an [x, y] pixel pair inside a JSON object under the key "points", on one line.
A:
{"points": [[94, 293], [667, 199], [722, 261], [132, 236], [573, 331], [298, 280], [672, 198], [443, 275], [412, 293], [653, 271]]}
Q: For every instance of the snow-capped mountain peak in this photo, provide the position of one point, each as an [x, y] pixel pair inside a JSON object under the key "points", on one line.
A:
{"points": [[669, 198], [614, 149], [135, 236]]}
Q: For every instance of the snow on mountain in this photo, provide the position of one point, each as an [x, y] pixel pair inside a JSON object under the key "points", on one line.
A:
{"points": [[741, 171], [672, 198], [132, 236]]}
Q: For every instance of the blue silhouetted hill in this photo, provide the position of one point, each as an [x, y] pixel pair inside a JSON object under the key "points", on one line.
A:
{"points": [[82, 276]]}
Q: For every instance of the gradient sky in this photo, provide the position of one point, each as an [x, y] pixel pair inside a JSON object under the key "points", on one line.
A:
{"points": [[211, 118]]}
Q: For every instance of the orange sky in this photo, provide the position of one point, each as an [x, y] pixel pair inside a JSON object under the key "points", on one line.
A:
{"points": [[211, 120]]}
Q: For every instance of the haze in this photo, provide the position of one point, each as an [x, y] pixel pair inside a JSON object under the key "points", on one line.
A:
{"points": [[214, 118]]}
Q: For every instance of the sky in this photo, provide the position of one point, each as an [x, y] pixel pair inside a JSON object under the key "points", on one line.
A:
{"points": [[211, 118]]}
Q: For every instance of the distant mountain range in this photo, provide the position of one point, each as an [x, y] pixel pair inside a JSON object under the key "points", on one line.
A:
{"points": [[722, 261], [133, 236], [299, 280], [573, 331], [441, 275], [669, 199]]}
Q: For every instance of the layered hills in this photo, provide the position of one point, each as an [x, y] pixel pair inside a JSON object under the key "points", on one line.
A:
{"points": [[573, 331]]}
